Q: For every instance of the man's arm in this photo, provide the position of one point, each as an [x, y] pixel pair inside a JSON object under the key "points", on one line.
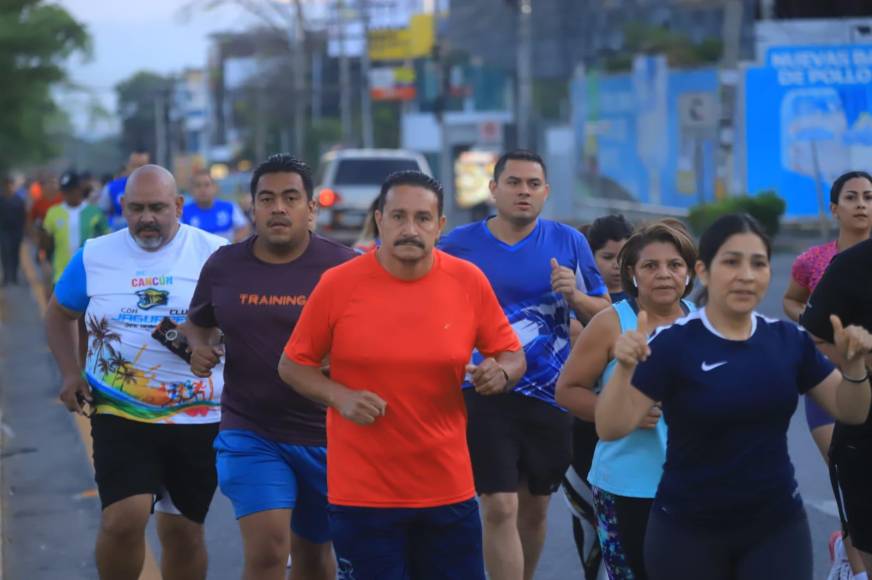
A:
{"points": [[361, 407], [565, 281], [586, 306], [499, 373], [205, 351], [61, 327]]}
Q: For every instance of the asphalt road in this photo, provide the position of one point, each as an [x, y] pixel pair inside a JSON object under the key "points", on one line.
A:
{"points": [[50, 515]]}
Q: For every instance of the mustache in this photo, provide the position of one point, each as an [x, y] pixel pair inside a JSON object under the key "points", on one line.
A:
{"points": [[409, 242], [147, 228], [278, 222]]}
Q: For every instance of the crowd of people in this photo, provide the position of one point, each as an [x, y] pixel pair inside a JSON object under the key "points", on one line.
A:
{"points": [[406, 409], [60, 212]]}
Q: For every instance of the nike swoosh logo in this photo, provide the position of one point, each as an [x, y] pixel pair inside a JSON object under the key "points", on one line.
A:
{"points": [[708, 367]]}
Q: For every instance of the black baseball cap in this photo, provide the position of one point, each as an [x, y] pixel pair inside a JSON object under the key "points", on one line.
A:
{"points": [[70, 180]]}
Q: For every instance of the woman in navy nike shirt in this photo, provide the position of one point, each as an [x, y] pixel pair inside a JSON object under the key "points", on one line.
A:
{"points": [[729, 380]]}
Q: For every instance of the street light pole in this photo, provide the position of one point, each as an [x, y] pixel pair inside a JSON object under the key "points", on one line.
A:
{"points": [[365, 99], [344, 77], [525, 72]]}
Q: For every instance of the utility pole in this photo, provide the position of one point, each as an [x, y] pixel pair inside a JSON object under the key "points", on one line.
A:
{"points": [[344, 76], [365, 99], [446, 169], [732, 35], [160, 129], [299, 76], [525, 73]]}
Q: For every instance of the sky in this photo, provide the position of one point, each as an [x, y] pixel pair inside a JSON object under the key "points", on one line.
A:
{"points": [[127, 37]]}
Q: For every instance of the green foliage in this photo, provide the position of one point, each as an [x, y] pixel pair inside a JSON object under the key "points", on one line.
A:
{"points": [[767, 207], [136, 104], [35, 40], [679, 50]]}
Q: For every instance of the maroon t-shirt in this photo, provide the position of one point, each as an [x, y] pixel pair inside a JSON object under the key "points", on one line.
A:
{"points": [[256, 305]]}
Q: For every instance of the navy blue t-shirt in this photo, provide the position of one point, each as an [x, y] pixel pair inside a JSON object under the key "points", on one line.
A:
{"points": [[727, 404]]}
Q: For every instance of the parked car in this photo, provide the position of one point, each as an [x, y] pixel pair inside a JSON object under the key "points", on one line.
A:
{"points": [[347, 182]]}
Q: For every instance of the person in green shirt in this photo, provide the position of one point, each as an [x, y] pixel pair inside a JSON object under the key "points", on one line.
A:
{"points": [[68, 224]]}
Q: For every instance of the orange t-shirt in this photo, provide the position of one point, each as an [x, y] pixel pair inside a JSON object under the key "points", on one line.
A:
{"points": [[41, 206], [407, 342]]}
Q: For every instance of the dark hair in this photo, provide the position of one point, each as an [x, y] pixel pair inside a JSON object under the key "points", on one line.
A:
{"points": [[283, 163], [719, 232], [518, 155], [610, 228], [409, 177], [655, 232], [839, 183]]}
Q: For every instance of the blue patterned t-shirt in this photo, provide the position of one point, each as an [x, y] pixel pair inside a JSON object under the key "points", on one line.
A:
{"points": [[521, 278]]}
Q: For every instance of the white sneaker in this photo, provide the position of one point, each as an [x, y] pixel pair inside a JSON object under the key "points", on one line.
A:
{"points": [[841, 567]]}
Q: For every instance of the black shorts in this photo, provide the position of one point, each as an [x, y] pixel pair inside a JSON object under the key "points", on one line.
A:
{"points": [[135, 458], [512, 438], [851, 462]]}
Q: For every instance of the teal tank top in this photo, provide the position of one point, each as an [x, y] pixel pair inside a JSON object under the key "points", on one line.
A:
{"points": [[630, 466]]}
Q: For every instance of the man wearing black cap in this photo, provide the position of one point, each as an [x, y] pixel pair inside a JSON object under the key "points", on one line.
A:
{"points": [[68, 224]]}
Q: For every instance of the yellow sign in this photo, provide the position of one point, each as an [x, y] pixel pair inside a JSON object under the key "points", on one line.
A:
{"points": [[415, 41]]}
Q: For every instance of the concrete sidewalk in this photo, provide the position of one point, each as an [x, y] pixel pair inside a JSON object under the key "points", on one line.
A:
{"points": [[50, 513]]}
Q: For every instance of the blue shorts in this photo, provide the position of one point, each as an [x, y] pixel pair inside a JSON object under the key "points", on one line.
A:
{"points": [[403, 543], [257, 475], [815, 415]]}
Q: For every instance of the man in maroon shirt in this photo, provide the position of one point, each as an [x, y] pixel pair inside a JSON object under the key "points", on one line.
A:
{"points": [[271, 453]]}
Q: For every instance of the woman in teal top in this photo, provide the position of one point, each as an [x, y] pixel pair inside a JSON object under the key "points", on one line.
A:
{"points": [[656, 273]]}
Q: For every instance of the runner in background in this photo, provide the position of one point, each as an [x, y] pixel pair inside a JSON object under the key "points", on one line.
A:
{"points": [[544, 274], [110, 197], [68, 225], [851, 206], [606, 236], [656, 275], [216, 216], [13, 219]]}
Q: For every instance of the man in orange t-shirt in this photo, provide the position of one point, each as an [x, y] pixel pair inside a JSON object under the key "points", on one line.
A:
{"points": [[399, 325]]}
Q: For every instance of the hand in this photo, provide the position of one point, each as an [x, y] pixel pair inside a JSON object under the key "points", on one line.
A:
{"points": [[204, 358], [652, 418], [75, 392], [563, 280], [631, 348], [361, 407], [488, 377], [853, 342]]}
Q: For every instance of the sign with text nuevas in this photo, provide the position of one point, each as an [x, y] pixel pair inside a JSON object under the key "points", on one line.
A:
{"points": [[807, 121]]}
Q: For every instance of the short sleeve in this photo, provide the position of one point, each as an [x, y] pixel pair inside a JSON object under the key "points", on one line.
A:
{"points": [[494, 334], [801, 270], [813, 366], [312, 337], [837, 293], [239, 219], [71, 290], [49, 222], [202, 310], [654, 377], [587, 275]]}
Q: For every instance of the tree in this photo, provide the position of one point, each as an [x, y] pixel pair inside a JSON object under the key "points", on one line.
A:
{"points": [[141, 98], [35, 40]]}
